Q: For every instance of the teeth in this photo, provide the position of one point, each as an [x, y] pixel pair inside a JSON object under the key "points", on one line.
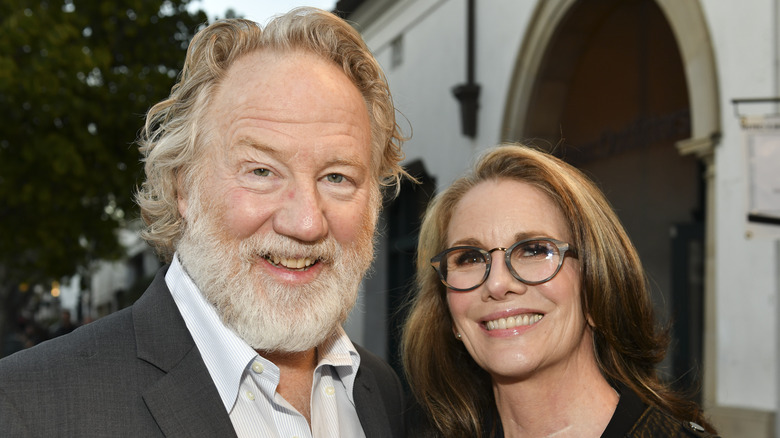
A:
{"points": [[291, 263], [514, 321]]}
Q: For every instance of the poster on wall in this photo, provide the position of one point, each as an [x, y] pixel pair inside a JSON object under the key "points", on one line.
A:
{"points": [[762, 142]]}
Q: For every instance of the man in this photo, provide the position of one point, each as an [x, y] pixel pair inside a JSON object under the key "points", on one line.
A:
{"points": [[263, 169], [66, 325]]}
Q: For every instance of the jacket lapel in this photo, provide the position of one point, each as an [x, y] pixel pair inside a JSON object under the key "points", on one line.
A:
{"points": [[371, 413], [184, 402]]}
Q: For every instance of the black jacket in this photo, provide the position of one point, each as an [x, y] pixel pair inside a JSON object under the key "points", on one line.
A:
{"points": [[138, 373]]}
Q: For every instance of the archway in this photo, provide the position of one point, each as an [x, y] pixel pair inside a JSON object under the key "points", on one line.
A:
{"points": [[611, 86]]}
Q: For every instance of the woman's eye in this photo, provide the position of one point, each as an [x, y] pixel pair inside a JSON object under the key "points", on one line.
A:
{"points": [[261, 172], [536, 249], [335, 178], [469, 257]]}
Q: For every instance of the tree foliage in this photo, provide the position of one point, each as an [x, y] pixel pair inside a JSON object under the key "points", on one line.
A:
{"points": [[76, 78]]}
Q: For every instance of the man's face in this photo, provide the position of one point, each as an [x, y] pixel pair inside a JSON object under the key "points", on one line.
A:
{"points": [[279, 229]]}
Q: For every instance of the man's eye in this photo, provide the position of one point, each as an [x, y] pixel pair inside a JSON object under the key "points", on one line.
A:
{"points": [[261, 172], [335, 178]]}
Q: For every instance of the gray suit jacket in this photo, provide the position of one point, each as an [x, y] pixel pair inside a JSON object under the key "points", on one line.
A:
{"points": [[138, 373]]}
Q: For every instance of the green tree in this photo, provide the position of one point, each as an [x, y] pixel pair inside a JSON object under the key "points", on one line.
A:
{"points": [[76, 78]]}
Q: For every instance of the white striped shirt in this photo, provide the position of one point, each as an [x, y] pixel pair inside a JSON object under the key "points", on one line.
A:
{"points": [[247, 382]]}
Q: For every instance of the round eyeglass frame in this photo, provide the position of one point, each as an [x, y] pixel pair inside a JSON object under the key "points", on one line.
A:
{"points": [[563, 248]]}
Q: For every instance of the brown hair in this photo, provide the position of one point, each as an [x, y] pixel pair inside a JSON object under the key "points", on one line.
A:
{"points": [[173, 139], [456, 394]]}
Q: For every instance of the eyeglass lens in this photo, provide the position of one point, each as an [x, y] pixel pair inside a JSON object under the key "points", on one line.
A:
{"points": [[531, 262]]}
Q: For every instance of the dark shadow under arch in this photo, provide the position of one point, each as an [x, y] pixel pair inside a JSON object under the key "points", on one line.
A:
{"points": [[611, 92]]}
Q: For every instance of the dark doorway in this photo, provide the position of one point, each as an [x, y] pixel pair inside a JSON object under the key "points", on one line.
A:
{"points": [[403, 216]]}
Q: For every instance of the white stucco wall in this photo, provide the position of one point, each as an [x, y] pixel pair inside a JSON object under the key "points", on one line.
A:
{"points": [[745, 276], [434, 62]]}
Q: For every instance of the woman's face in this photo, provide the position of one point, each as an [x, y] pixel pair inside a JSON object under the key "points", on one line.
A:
{"points": [[548, 331]]}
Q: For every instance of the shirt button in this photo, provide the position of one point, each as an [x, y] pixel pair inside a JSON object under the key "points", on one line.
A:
{"points": [[250, 395], [257, 367], [329, 390]]}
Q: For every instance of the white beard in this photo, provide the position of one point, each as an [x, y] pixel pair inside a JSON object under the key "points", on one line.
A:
{"points": [[267, 315]]}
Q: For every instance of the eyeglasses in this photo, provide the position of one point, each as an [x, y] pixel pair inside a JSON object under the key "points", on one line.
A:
{"points": [[532, 261]]}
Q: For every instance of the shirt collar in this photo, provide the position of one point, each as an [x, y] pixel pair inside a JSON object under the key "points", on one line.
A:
{"points": [[339, 352], [226, 355]]}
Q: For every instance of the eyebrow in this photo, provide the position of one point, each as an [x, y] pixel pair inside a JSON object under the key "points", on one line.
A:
{"points": [[251, 143], [470, 241]]}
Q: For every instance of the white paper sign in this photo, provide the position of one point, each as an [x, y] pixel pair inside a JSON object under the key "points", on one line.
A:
{"points": [[762, 142], [764, 150]]}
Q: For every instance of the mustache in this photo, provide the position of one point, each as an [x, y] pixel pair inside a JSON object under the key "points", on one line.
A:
{"points": [[274, 245]]}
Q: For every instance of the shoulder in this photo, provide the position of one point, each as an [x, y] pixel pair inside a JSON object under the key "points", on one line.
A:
{"points": [[97, 373], [44, 385], [64, 367], [95, 351], [379, 396], [635, 419], [377, 365], [655, 422], [375, 368], [106, 334]]}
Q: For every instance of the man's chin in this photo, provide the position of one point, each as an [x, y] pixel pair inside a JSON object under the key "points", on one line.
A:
{"points": [[291, 343]]}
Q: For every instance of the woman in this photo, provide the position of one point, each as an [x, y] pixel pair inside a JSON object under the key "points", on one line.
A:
{"points": [[533, 316]]}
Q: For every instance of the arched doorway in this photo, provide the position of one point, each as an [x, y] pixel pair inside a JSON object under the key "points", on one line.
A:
{"points": [[606, 85]]}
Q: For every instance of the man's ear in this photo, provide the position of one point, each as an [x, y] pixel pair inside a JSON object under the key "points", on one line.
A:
{"points": [[181, 196], [181, 200]]}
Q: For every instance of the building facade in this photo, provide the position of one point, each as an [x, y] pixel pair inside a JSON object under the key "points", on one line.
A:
{"points": [[650, 98]]}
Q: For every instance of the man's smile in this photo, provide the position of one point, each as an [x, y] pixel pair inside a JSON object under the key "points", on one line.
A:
{"points": [[291, 263]]}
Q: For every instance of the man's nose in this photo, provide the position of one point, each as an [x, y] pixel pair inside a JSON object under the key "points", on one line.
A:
{"points": [[301, 215]]}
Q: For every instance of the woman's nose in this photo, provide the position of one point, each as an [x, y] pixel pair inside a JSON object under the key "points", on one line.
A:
{"points": [[500, 281]]}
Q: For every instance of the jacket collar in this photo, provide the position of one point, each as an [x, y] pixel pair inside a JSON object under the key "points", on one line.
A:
{"points": [[184, 401]]}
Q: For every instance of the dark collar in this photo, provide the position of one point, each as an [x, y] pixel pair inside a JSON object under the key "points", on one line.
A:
{"points": [[627, 413]]}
